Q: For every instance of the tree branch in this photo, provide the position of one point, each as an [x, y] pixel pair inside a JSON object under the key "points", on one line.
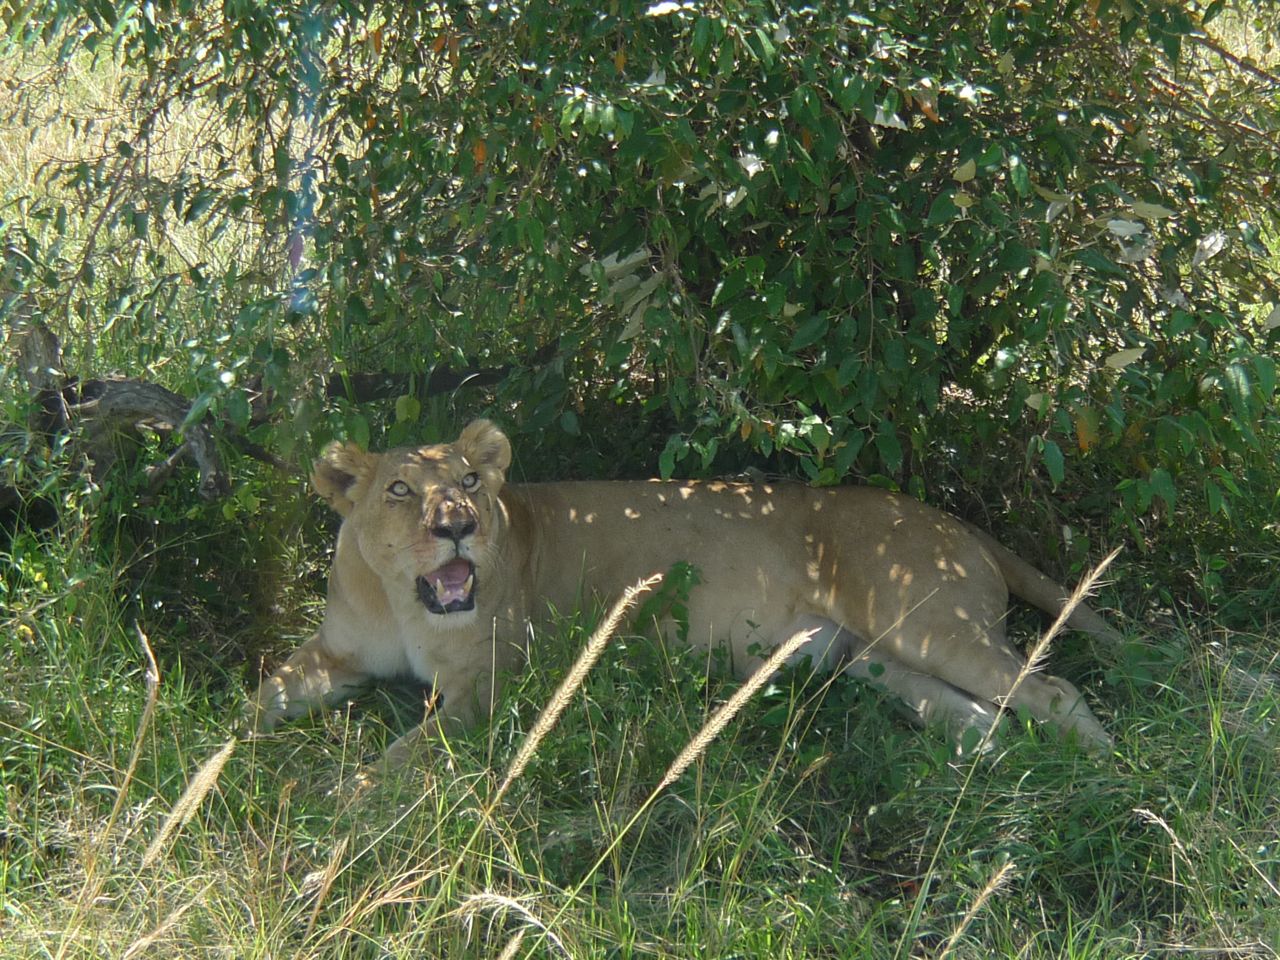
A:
{"points": [[366, 387], [1248, 66], [111, 405]]}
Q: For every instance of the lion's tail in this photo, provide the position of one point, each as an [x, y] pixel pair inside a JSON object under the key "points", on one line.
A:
{"points": [[1031, 585]]}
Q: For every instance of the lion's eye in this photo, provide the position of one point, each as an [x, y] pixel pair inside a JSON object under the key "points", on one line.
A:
{"points": [[470, 481], [398, 489]]}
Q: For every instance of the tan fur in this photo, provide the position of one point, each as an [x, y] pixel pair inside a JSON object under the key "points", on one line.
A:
{"points": [[900, 594]]}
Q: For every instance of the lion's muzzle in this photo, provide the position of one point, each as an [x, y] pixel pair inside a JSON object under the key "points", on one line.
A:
{"points": [[450, 588]]}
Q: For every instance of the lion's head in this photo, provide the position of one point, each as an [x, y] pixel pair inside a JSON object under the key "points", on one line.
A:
{"points": [[424, 518]]}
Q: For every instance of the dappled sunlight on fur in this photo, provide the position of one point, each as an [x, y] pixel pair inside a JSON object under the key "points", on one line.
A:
{"points": [[441, 565]]}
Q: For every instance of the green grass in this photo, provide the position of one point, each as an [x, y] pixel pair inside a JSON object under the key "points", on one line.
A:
{"points": [[816, 825]]}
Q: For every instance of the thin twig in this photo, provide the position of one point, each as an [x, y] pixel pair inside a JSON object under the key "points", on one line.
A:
{"points": [[1248, 66]]}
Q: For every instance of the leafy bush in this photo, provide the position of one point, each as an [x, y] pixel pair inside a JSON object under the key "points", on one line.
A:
{"points": [[769, 229]]}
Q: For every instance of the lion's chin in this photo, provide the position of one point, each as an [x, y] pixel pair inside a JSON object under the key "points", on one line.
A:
{"points": [[450, 588]]}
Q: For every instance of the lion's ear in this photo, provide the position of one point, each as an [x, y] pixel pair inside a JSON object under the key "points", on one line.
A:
{"points": [[485, 446], [342, 474]]}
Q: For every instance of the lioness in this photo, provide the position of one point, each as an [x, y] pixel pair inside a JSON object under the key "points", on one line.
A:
{"points": [[440, 565]]}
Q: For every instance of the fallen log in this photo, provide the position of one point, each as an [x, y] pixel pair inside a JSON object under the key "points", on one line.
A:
{"points": [[102, 411], [106, 413]]}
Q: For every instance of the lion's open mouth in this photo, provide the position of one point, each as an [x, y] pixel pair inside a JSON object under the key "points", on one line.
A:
{"points": [[450, 588]]}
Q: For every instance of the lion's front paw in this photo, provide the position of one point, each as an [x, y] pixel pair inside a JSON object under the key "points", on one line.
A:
{"points": [[381, 774], [264, 710], [350, 789]]}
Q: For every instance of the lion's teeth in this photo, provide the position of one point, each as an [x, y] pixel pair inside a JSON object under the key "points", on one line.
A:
{"points": [[468, 583]]}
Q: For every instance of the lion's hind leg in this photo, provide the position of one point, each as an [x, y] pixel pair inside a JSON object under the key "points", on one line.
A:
{"points": [[981, 662], [1058, 703], [928, 701]]}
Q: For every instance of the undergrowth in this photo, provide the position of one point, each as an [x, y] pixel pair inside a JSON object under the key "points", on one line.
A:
{"points": [[815, 824]]}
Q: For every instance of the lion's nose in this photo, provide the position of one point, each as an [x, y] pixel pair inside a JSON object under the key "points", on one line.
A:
{"points": [[451, 522]]}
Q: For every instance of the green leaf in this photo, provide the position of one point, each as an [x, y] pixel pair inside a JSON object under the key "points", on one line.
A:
{"points": [[677, 448], [198, 409], [847, 451], [849, 91], [408, 408], [1019, 176], [237, 408], [942, 210], [817, 434], [1129, 28], [1214, 499], [701, 37], [775, 718], [617, 354], [357, 429], [998, 28], [729, 288], [763, 47], [1235, 383], [848, 371], [1090, 257], [199, 206], [535, 234], [809, 333], [1053, 462], [887, 446], [1264, 369], [1162, 486]]}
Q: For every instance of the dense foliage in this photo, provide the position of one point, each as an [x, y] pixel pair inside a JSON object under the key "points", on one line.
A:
{"points": [[754, 227]]}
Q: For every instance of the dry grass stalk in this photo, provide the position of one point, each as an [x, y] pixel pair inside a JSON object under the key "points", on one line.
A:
{"points": [[143, 943], [324, 883], [513, 946], [1034, 659], [555, 707], [496, 902], [727, 710], [1082, 590], [93, 881], [411, 880], [190, 801], [1036, 656], [996, 881], [694, 749]]}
